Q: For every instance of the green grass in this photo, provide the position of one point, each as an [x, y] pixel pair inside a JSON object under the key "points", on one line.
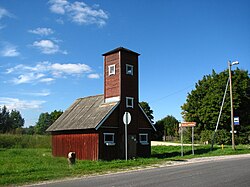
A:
{"points": [[173, 152], [23, 166]]}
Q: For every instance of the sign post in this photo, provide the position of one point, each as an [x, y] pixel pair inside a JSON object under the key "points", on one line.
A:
{"points": [[181, 141], [126, 121], [187, 124], [192, 140]]}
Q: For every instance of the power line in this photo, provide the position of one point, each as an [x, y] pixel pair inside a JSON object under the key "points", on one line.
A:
{"points": [[173, 93]]}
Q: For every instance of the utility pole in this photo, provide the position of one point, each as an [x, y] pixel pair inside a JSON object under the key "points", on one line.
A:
{"points": [[231, 99]]}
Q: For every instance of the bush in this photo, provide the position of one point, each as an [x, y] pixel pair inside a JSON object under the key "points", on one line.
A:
{"points": [[24, 141], [221, 137], [206, 135], [242, 139]]}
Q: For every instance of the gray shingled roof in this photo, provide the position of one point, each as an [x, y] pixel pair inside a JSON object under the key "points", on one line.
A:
{"points": [[84, 113]]}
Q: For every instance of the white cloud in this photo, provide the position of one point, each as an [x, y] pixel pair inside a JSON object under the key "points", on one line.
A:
{"points": [[46, 72], [15, 103], [42, 93], [20, 68], [28, 78], [94, 76], [48, 47], [79, 12], [58, 6], [4, 13], [42, 31], [69, 68], [46, 80], [9, 51]]}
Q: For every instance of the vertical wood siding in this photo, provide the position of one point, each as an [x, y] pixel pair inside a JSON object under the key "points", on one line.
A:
{"points": [[112, 83], [85, 145]]}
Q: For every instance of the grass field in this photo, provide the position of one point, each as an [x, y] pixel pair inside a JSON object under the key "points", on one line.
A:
{"points": [[23, 166]]}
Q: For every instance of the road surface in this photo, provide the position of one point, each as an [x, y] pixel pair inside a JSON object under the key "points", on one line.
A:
{"points": [[223, 171]]}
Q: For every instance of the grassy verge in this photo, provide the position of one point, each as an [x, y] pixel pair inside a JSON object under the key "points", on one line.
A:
{"points": [[22, 166]]}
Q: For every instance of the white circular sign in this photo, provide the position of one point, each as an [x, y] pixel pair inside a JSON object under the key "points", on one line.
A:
{"points": [[126, 118]]}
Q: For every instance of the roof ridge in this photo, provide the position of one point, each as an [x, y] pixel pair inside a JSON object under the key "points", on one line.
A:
{"points": [[90, 96], [119, 49]]}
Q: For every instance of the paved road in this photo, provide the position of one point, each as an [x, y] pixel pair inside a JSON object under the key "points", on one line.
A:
{"points": [[228, 172]]}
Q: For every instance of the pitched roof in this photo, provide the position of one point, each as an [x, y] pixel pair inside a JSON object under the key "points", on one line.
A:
{"points": [[84, 113], [119, 49]]}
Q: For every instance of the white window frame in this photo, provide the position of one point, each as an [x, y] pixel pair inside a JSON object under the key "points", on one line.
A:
{"points": [[112, 142], [111, 69], [131, 71], [127, 102], [143, 142]]}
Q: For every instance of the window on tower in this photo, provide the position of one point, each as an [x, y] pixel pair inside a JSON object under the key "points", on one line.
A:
{"points": [[111, 69], [129, 69], [129, 102]]}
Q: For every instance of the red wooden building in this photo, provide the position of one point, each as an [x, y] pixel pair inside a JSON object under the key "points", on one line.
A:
{"points": [[93, 126]]}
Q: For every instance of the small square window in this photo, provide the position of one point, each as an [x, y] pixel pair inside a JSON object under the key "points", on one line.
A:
{"points": [[129, 69], [129, 102], [109, 138], [111, 69], [143, 138]]}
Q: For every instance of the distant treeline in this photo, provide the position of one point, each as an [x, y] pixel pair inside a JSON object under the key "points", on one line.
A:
{"points": [[12, 122]]}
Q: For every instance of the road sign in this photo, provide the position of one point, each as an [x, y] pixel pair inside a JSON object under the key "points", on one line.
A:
{"points": [[187, 124], [236, 121], [126, 121], [126, 118]]}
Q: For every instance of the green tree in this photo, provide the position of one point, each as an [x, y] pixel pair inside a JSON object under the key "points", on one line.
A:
{"points": [[43, 123], [45, 120], [203, 103], [5, 124], [55, 115], [10, 122], [145, 106], [16, 119], [167, 126]]}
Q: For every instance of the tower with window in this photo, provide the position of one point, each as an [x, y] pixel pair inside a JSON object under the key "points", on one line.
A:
{"points": [[121, 85], [121, 77]]}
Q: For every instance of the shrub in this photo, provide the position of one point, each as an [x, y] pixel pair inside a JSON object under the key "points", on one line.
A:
{"points": [[206, 135], [24, 141], [221, 137], [242, 139]]}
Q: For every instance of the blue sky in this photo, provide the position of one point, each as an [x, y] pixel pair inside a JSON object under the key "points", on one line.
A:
{"points": [[51, 50]]}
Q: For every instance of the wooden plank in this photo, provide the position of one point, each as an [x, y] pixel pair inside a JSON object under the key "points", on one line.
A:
{"points": [[85, 145]]}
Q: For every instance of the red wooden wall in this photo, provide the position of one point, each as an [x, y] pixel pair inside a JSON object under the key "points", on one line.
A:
{"points": [[85, 145]]}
